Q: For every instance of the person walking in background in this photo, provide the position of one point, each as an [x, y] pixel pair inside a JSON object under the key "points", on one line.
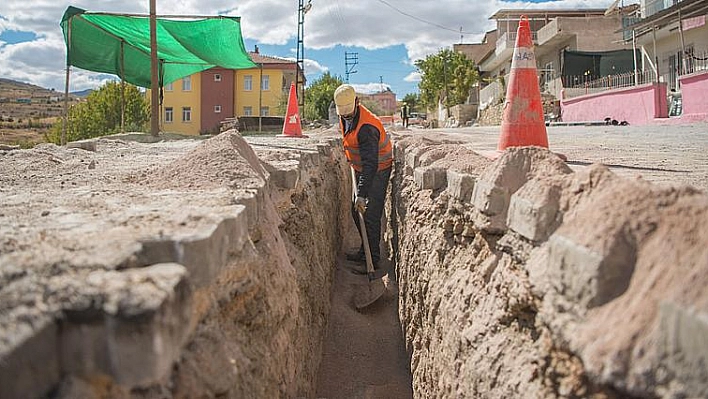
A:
{"points": [[405, 114], [368, 149]]}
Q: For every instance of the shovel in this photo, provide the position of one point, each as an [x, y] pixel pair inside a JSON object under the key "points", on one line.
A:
{"points": [[376, 287]]}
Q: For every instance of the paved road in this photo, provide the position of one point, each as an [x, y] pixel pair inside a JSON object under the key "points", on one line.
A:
{"points": [[661, 154]]}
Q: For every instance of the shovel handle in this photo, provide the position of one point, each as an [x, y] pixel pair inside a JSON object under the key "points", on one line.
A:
{"points": [[364, 236]]}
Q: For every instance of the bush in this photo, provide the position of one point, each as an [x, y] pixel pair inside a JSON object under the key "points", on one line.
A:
{"points": [[100, 114]]}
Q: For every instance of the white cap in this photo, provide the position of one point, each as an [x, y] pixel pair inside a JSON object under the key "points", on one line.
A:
{"points": [[344, 99]]}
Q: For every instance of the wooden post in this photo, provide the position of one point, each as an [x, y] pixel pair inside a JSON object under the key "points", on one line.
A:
{"points": [[65, 126], [154, 83], [122, 86]]}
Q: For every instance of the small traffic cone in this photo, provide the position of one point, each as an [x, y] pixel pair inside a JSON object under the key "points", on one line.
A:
{"points": [[522, 123], [291, 125]]}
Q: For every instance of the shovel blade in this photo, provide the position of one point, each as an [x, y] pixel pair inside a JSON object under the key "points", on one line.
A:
{"points": [[374, 290]]}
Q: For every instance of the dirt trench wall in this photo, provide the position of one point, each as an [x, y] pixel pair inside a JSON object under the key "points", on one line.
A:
{"points": [[520, 278], [175, 269]]}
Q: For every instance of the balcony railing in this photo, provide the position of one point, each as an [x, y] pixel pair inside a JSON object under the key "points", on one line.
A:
{"points": [[508, 40]]}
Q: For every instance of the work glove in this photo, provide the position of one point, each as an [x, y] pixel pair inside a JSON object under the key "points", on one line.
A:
{"points": [[360, 204]]}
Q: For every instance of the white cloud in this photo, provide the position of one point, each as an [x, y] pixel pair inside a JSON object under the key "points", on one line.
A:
{"points": [[413, 77], [370, 88], [365, 24], [313, 67]]}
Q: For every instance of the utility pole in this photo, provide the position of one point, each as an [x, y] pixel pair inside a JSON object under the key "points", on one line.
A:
{"points": [[302, 9], [447, 107], [154, 83], [350, 62]]}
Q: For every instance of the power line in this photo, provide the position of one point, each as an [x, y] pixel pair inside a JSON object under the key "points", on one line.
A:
{"points": [[420, 19]]}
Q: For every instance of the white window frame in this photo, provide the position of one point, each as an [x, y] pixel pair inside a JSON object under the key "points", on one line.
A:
{"points": [[169, 114], [217, 77], [248, 82], [265, 82], [265, 111], [187, 83], [217, 109], [169, 87], [186, 114], [247, 111]]}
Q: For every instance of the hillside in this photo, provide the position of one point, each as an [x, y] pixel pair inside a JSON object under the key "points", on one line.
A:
{"points": [[27, 111]]}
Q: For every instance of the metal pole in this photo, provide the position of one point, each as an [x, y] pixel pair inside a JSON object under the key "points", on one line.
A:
{"points": [[65, 127], [260, 98], [656, 57], [122, 87], [154, 84], [683, 47], [634, 54], [297, 50]]}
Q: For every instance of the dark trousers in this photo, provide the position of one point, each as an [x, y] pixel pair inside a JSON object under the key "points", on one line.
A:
{"points": [[374, 210]]}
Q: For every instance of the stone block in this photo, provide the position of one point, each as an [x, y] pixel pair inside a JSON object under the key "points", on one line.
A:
{"points": [[284, 174], [430, 178], [30, 368], [411, 161], [205, 254], [88, 145], [683, 341], [251, 199], [591, 277], [533, 211], [489, 199], [460, 185], [136, 331], [146, 332]]}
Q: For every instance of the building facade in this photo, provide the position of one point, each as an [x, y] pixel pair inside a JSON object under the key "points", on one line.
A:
{"points": [[198, 103], [384, 102], [553, 32]]}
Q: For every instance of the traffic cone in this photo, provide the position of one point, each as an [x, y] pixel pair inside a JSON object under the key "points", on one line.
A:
{"points": [[291, 125], [522, 123]]}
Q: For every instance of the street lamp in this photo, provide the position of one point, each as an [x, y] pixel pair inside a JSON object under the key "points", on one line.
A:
{"points": [[301, 11]]}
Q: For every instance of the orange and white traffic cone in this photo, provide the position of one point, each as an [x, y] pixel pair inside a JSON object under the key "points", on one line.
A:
{"points": [[291, 125], [522, 123]]}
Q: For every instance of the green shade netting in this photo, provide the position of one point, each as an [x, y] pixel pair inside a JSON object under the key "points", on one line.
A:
{"points": [[95, 42]]}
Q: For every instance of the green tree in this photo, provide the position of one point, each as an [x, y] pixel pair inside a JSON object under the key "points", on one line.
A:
{"points": [[100, 114], [412, 99], [318, 96], [447, 71]]}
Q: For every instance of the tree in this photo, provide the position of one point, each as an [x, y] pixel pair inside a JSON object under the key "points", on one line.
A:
{"points": [[100, 114], [412, 99], [319, 95], [448, 75]]}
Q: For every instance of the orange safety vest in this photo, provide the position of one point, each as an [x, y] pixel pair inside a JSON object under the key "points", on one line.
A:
{"points": [[351, 141]]}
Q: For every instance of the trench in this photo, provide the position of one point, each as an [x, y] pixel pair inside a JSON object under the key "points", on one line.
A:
{"points": [[502, 275]]}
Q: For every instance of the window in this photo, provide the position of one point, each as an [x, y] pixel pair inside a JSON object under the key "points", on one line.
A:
{"points": [[187, 83], [169, 114], [247, 111], [265, 111], [265, 82], [186, 114], [248, 82], [217, 109], [217, 77], [169, 87]]}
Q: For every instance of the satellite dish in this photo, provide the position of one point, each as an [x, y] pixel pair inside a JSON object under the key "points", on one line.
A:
{"points": [[612, 9]]}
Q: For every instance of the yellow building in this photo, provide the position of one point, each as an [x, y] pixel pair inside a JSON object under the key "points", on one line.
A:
{"points": [[198, 103]]}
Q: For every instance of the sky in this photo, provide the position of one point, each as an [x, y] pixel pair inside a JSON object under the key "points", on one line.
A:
{"points": [[388, 36]]}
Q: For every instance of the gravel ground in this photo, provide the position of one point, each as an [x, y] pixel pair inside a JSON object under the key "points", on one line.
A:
{"points": [[660, 154]]}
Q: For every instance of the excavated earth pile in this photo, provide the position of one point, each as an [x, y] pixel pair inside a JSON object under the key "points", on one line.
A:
{"points": [[204, 269], [520, 278], [174, 269]]}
